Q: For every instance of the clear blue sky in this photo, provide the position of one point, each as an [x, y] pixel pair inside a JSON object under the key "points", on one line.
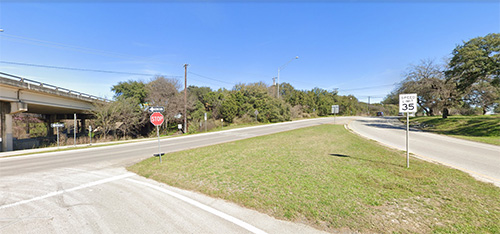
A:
{"points": [[361, 48]]}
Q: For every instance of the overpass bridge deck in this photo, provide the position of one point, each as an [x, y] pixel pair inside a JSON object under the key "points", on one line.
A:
{"points": [[18, 94]]}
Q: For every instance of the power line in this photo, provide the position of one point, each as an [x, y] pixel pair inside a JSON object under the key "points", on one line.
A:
{"points": [[372, 87], [202, 76], [34, 41], [82, 69]]}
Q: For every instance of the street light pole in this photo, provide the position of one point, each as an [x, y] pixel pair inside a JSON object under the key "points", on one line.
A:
{"points": [[279, 69], [185, 98]]}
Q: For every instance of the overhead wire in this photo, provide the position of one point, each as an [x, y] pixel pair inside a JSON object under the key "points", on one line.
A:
{"points": [[120, 55], [209, 78], [82, 69], [34, 41], [371, 87]]}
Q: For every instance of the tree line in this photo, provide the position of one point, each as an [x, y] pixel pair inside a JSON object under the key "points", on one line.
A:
{"points": [[468, 83], [128, 114]]}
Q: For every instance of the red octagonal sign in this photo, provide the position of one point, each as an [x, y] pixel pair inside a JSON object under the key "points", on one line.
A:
{"points": [[156, 118]]}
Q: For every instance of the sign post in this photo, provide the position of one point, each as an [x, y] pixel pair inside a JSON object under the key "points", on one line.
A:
{"points": [[90, 134], [335, 110], [74, 131], [57, 126], [205, 122], [157, 119], [408, 104]]}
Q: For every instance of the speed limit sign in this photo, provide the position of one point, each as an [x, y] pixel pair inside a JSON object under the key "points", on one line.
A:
{"points": [[408, 103]]}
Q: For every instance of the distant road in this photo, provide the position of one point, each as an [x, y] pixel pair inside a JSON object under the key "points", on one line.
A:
{"points": [[478, 159], [89, 191]]}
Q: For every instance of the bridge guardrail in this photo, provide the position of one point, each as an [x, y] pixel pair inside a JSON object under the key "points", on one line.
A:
{"points": [[56, 88]]}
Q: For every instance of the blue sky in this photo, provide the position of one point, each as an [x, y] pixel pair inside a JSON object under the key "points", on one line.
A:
{"points": [[361, 48]]}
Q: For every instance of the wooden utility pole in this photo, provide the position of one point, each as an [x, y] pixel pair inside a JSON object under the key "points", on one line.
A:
{"points": [[185, 98]]}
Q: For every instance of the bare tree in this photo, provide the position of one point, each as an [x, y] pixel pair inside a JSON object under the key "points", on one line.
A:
{"points": [[106, 115], [131, 116], [166, 92]]}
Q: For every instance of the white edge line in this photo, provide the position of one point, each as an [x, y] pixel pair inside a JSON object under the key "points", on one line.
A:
{"points": [[209, 209], [103, 181]]}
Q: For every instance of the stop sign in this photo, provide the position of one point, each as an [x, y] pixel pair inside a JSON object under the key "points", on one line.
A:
{"points": [[156, 118]]}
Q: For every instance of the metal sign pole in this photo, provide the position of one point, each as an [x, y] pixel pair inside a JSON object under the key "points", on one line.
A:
{"points": [[90, 134], [158, 134], [407, 139], [74, 131], [57, 129]]}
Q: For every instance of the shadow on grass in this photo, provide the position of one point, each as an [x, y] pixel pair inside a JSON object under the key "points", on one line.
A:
{"points": [[340, 155], [374, 161]]}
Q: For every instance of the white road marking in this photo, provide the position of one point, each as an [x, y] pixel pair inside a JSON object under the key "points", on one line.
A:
{"points": [[103, 181], [209, 209]]}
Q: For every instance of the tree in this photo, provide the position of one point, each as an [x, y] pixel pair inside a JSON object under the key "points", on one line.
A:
{"points": [[106, 115], [131, 89], [161, 91], [229, 108], [165, 92], [483, 94], [131, 116], [476, 60], [427, 81], [475, 68]]}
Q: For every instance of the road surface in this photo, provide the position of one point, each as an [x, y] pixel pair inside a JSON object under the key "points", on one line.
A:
{"points": [[478, 159], [89, 191]]}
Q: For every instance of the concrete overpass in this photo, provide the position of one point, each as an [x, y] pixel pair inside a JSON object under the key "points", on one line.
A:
{"points": [[19, 95]]}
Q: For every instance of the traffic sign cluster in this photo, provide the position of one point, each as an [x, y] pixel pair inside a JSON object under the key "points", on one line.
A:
{"points": [[157, 119]]}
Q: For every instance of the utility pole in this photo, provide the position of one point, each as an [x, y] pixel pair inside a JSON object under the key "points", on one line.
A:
{"points": [[185, 98], [274, 83], [368, 106], [281, 68]]}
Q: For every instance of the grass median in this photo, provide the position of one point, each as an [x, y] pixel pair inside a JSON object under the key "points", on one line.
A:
{"points": [[334, 180]]}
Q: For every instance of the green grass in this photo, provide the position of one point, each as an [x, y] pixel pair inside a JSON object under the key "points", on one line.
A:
{"points": [[482, 128], [332, 179]]}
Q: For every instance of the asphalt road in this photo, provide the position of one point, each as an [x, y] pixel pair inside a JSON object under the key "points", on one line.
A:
{"points": [[480, 160], [89, 191]]}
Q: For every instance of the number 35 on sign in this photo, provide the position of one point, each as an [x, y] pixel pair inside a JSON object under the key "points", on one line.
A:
{"points": [[408, 102]]}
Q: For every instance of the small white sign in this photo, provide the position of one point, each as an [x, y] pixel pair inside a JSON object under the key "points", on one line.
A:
{"points": [[408, 103], [335, 109], [156, 109], [205, 116], [57, 125]]}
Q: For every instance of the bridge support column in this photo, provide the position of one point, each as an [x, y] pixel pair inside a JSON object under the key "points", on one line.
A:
{"points": [[83, 130], [49, 119], [6, 127]]}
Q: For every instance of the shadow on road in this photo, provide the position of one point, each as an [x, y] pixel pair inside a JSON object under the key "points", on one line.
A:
{"points": [[385, 125]]}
